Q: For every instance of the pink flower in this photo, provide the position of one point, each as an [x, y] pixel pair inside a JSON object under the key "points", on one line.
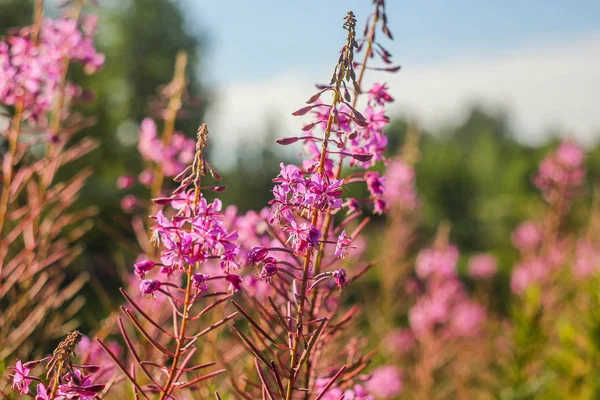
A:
{"points": [[561, 171], [379, 206], [587, 259], [324, 194], [42, 392], [80, 387], [386, 382], [235, 281], [257, 254], [125, 182], [148, 287], [379, 94], [466, 319], [339, 275], [527, 236], [129, 203], [375, 183], [400, 185], [400, 341], [527, 274], [443, 262], [32, 73], [482, 266], [570, 154], [341, 247], [199, 282], [269, 269], [20, 378], [143, 267], [146, 177]]}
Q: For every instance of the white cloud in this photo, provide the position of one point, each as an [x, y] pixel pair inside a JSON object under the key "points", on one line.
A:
{"points": [[555, 86]]}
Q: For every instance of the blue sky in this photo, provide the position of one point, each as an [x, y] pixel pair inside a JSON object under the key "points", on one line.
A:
{"points": [[537, 60], [251, 40]]}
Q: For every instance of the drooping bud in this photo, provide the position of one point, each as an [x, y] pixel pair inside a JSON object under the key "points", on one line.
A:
{"points": [[142, 267], [148, 287], [257, 254], [340, 277]]}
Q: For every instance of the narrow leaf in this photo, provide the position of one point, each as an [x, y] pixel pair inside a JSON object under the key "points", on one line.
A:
{"points": [[330, 383], [121, 367]]}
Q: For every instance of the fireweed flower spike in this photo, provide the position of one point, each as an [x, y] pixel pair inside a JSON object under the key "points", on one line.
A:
{"points": [[191, 234], [291, 252], [34, 244], [63, 380]]}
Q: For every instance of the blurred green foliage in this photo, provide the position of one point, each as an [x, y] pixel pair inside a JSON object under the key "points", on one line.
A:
{"points": [[475, 175]]}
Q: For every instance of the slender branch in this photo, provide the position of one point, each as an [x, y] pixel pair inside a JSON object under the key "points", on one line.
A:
{"points": [[329, 217], [344, 65], [178, 86]]}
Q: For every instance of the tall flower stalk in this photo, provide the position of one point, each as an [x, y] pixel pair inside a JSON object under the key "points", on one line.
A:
{"points": [[191, 236], [292, 256], [39, 231]]}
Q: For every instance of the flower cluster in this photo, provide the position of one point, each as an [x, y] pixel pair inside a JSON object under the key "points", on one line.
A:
{"points": [[400, 186], [192, 236], [385, 382], [559, 178], [66, 380], [482, 266], [173, 156], [444, 303], [31, 70], [561, 173]]}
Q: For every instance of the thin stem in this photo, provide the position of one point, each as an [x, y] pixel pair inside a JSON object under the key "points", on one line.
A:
{"points": [[38, 14], [9, 163], [315, 216], [178, 85], [189, 298], [56, 121], [181, 337], [13, 136], [329, 217]]}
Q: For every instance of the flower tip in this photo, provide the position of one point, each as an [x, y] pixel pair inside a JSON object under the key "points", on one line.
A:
{"points": [[362, 157], [287, 140]]}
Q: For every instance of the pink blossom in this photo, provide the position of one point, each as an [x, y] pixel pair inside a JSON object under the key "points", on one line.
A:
{"points": [[146, 177], [527, 274], [400, 185], [466, 319], [129, 203], [386, 382], [199, 282], [341, 247], [143, 267], [125, 182], [339, 275], [561, 172], [527, 236], [443, 262], [375, 183], [20, 378], [587, 259], [80, 387], [482, 266], [42, 392], [235, 281], [379, 94], [148, 287], [32, 73], [399, 341], [257, 254], [570, 154], [172, 157]]}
